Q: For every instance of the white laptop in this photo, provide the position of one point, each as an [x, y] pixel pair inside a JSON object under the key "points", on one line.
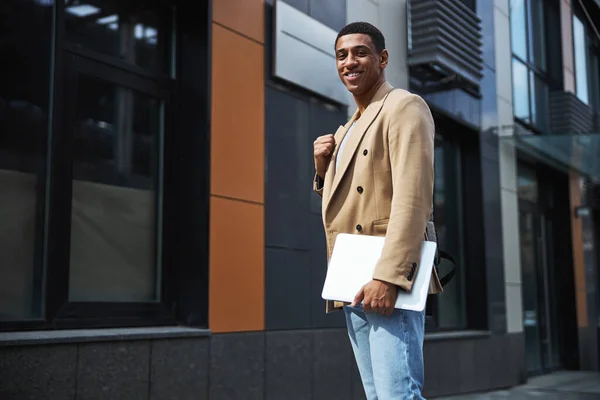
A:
{"points": [[352, 264]]}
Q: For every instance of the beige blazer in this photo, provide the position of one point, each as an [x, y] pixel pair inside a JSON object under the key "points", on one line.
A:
{"points": [[384, 184]]}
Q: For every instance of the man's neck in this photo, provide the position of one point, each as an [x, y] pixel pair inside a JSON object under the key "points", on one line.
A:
{"points": [[363, 100]]}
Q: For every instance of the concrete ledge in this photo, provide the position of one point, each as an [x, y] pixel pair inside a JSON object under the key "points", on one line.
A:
{"points": [[455, 335], [8, 339]]}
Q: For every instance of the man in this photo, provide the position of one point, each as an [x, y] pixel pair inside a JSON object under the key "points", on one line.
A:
{"points": [[375, 176]]}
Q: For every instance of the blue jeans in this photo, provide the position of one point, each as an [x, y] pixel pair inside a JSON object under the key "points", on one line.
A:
{"points": [[388, 352]]}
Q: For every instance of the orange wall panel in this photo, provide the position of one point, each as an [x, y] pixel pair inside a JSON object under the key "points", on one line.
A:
{"points": [[237, 289], [578, 256], [238, 100], [243, 16]]}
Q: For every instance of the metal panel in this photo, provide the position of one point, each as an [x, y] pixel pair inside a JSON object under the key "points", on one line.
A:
{"points": [[444, 37], [304, 53]]}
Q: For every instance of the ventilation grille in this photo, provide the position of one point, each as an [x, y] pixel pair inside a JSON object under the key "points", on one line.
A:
{"points": [[569, 115], [444, 36]]}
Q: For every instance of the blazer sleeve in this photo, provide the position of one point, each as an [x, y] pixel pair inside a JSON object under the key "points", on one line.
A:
{"points": [[318, 183], [410, 138]]}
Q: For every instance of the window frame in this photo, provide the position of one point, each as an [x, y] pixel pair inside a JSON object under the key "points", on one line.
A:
{"points": [[546, 77], [470, 224], [592, 50], [186, 158]]}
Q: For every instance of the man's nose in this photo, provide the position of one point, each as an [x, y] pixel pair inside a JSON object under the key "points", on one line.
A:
{"points": [[351, 61]]}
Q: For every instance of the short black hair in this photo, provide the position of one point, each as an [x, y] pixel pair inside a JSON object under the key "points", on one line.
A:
{"points": [[366, 29]]}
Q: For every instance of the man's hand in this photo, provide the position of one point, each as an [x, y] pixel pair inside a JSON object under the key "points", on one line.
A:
{"points": [[323, 150], [377, 296]]}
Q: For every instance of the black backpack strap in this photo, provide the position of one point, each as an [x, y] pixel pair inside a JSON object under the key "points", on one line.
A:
{"points": [[448, 277]]}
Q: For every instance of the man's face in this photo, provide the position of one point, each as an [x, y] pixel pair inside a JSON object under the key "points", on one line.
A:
{"points": [[359, 64]]}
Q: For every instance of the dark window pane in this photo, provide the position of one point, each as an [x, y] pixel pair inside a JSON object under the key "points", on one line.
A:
{"points": [[448, 216], [537, 43], [115, 185], [595, 81], [520, 91], [136, 33], [527, 187], [580, 48], [518, 30], [539, 102], [25, 32]]}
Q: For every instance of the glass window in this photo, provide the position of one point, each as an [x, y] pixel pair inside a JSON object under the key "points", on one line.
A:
{"points": [[527, 186], [537, 33], [451, 310], [24, 99], [531, 75], [518, 29], [580, 49], [115, 190], [520, 91], [130, 31]]}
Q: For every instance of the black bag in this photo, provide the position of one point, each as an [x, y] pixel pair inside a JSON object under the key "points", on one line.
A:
{"points": [[441, 254]]}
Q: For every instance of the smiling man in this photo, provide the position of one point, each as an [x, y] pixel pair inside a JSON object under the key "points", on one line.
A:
{"points": [[375, 176]]}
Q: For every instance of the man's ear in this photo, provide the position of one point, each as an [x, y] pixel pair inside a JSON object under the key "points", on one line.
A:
{"points": [[383, 58]]}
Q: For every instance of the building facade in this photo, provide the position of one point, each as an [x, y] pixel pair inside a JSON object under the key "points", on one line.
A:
{"points": [[159, 235]]}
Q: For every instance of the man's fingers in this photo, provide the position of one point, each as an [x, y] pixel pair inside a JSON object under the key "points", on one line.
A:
{"points": [[324, 140], [389, 310], [322, 151], [359, 297]]}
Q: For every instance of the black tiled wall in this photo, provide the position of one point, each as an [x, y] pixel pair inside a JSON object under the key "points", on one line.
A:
{"points": [[312, 364]]}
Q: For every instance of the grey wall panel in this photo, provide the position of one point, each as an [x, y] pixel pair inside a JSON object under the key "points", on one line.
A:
{"points": [[287, 164], [122, 371], [318, 268], [332, 365], [301, 5], [287, 289], [38, 372], [288, 367], [295, 256], [237, 366], [303, 53], [178, 369], [329, 12], [489, 112]]}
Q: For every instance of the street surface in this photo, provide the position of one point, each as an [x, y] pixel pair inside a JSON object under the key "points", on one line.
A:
{"points": [[567, 385]]}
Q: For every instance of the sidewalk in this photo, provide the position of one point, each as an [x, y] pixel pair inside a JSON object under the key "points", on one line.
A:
{"points": [[565, 385]]}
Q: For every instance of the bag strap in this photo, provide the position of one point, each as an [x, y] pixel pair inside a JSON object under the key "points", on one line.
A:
{"points": [[448, 277]]}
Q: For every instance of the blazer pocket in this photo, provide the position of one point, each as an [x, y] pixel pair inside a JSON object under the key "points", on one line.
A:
{"points": [[379, 227]]}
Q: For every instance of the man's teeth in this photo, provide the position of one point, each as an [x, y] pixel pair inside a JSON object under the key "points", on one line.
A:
{"points": [[354, 74]]}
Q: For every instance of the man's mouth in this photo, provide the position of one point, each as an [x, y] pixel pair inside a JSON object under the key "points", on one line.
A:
{"points": [[352, 74]]}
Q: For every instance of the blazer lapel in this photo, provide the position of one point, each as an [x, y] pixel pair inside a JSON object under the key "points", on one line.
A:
{"points": [[359, 130]]}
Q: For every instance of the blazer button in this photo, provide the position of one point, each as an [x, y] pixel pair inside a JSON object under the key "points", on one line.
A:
{"points": [[365, 152], [359, 189], [358, 228], [410, 276]]}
